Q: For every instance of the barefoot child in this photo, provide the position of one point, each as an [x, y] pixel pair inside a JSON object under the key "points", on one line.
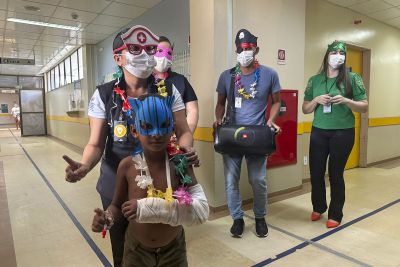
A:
{"points": [[157, 193]]}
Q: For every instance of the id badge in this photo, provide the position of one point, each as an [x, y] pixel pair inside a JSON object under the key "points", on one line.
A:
{"points": [[328, 108], [120, 131], [238, 102]]}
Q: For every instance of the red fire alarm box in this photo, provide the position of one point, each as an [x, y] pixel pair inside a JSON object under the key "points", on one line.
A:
{"points": [[286, 142]]}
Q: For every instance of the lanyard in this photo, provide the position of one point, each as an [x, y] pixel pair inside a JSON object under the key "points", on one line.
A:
{"points": [[330, 88]]}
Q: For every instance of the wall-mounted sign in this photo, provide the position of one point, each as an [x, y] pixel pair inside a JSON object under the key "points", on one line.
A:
{"points": [[281, 56], [17, 61]]}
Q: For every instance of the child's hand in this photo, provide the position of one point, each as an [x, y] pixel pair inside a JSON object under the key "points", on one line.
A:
{"points": [[129, 209], [99, 221]]}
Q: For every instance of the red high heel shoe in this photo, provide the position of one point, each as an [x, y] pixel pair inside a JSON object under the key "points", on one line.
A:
{"points": [[315, 216], [332, 224]]}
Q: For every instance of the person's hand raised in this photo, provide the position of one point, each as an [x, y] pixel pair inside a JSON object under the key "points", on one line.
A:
{"points": [[75, 171]]}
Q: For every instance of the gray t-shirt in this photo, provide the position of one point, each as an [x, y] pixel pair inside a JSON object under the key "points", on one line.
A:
{"points": [[252, 111]]}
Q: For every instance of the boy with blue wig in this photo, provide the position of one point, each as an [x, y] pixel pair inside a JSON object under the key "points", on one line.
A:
{"points": [[157, 192]]}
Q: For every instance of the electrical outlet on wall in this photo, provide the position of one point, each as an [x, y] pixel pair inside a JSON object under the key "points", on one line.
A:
{"points": [[305, 160]]}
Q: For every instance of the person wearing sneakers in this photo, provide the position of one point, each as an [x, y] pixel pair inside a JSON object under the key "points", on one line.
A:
{"points": [[333, 95], [252, 86]]}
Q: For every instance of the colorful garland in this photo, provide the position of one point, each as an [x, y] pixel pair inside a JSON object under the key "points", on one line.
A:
{"points": [[125, 103], [240, 88], [161, 88], [181, 164]]}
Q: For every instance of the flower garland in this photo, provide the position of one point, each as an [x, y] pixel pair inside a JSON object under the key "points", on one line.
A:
{"points": [[161, 88], [125, 103], [181, 164], [240, 87]]}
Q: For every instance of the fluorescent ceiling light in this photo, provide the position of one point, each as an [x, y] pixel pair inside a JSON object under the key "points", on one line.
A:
{"points": [[44, 24]]}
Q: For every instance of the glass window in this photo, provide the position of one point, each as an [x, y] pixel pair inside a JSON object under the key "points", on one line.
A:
{"points": [[52, 79], [8, 81], [62, 74], [48, 81], [56, 77], [67, 62], [30, 82], [80, 60], [74, 66]]}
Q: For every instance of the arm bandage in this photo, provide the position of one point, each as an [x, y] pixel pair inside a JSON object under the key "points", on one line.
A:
{"points": [[157, 210]]}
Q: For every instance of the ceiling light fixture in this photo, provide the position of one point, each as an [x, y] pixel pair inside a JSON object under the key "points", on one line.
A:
{"points": [[43, 24]]}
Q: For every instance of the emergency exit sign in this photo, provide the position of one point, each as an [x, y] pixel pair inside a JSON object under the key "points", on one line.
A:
{"points": [[17, 61]]}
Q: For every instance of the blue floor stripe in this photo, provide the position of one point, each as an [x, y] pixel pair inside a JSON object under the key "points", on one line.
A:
{"points": [[322, 236], [82, 230]]}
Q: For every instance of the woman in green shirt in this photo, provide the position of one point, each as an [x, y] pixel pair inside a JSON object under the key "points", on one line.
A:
{"points": [[333, 94]]}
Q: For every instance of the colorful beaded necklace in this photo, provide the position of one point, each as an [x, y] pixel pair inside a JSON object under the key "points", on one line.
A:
{"points": [[240, 88]]}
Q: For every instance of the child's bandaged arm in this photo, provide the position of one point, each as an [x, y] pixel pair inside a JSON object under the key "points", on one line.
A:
{"points": [[157, 210]]}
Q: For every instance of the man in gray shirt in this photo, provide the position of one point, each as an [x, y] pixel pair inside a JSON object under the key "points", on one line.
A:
{"points": [[253, 83]]}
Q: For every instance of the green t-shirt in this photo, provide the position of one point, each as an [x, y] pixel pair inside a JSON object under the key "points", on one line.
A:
{"points": [[341, 116]]}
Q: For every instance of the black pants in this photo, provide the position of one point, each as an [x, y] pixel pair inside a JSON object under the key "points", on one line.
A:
{"points": [[337, 144], [117, 235]]}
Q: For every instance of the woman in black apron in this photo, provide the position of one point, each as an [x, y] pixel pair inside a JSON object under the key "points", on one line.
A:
{"points": [[110, 115]]}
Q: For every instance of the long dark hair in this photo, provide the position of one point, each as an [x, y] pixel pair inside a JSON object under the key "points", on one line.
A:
{"points": [[342, 78]]}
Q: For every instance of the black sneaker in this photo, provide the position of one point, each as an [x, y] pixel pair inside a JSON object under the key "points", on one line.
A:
{"points": [[261, 227], [237, 228]]}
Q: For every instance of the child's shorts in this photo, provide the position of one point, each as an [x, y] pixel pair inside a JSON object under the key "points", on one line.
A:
{"points": [[171, 255]]}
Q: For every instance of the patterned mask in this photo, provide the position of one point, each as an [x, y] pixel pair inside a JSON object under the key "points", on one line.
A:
{"points": [[153, 114]]}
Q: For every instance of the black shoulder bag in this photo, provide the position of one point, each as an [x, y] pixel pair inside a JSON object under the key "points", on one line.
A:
{"points": [[231, 138]]}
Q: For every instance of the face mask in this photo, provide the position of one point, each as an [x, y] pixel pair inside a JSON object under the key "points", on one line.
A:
{"points": [[336, 60], [163, 64], [141, 65], [245, 58]]}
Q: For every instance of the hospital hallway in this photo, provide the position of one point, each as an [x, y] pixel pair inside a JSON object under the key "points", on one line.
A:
{"points": [[46, 221]]}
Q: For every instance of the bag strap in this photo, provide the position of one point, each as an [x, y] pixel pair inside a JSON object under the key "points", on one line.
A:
{"points": [[230, 114]]}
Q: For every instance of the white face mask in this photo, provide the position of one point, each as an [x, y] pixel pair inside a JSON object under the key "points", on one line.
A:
{"points": [[141, 65], [336, 60], [245, 58], [163, 64]]}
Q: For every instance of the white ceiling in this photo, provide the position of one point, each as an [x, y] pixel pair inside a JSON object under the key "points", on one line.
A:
{"points": [[386, 11], [97, 20]]}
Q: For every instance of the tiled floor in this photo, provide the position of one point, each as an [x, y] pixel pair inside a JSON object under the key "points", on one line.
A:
{"points": [[45, 234]]}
